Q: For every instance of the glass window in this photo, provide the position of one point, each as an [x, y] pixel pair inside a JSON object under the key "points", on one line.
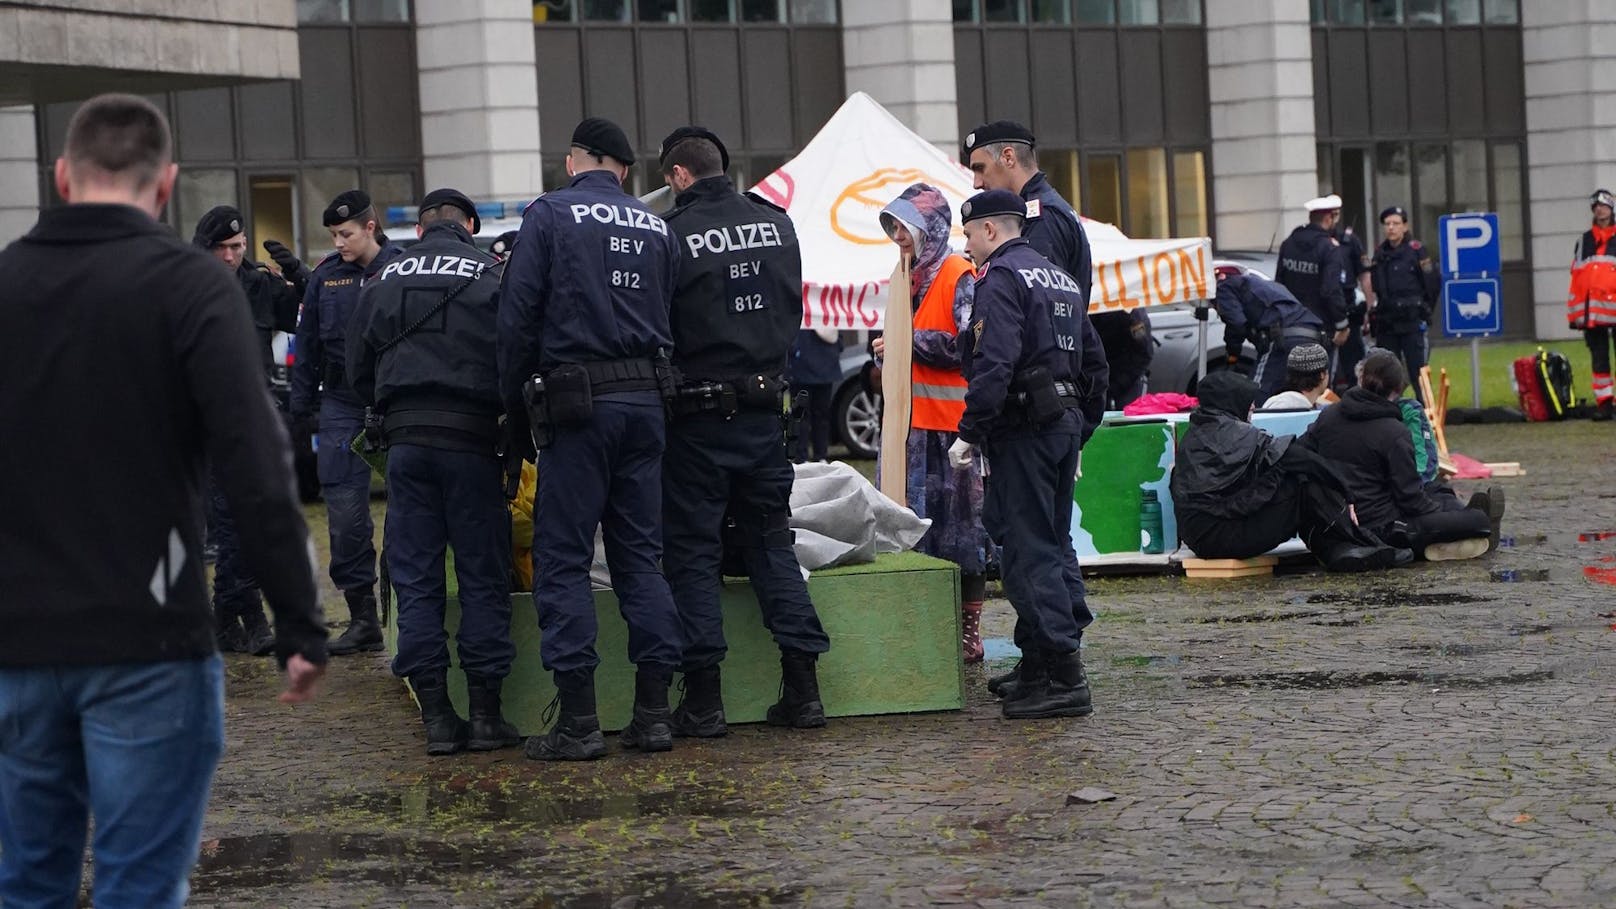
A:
{"points": [[317, 187], [381, 10], [1181, 12], [1057, 12], [1347, 12], [712, 11], [1386, 12], [1060, 166], [388, 189], [658, 10], [322, 11], [1104, 194], [1316, 13], [1321, 165], [1139, 12], [813, 12], [1469, 175], [964, 10], [604, 10], [1464, 12], [1004, 11], [1392, 184], [1430, 192], [555, 173], [763, 11], [553, 11], [1189, 194], [1097, 12], [1423, 12], [1503, 12], [200, 190], [1147, 193], [1509, 201]]}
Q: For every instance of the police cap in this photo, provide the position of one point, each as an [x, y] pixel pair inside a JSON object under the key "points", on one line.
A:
{"points": [[218, 225], [446, 196], [1602, 197], [998, 131], [990, 203], [345, 207], [1390, 210], [600, 136], [1332, 202], [692, 132], [503, 244]]}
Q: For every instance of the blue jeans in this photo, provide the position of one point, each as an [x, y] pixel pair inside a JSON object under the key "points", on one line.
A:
{"points": [[134, 745]]}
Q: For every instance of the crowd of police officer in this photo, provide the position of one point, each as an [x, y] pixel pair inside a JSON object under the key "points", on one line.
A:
{"points": [[637, 360]]}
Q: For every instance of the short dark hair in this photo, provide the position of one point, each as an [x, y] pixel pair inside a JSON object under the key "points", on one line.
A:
{"points": [[448, 211], [1025, 155], [1317, 217], [122, 136], [699, 156], [1304, 380], [1383, 375], [1007, 223]]}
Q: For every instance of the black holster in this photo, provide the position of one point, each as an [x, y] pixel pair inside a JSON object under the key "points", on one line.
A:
{"points": [[536, 398], [1042, 399], [570, 396], [374, 434]]}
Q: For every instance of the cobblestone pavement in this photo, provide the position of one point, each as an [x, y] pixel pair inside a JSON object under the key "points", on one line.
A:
{"points": [[1426, 737]]}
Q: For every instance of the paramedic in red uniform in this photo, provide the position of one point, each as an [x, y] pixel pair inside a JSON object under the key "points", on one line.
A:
{"points": [[1591, 306]]}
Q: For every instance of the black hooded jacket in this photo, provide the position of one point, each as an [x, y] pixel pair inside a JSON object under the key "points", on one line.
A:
{"points": [[1365, 438]]}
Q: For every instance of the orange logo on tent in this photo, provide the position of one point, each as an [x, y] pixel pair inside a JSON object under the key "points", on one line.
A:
{"points": [[855, 215]]}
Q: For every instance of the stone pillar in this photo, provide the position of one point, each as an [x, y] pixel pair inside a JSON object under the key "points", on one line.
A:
{"points": [[1570, 115], [901, 53], [479, 97], [19, 173], [1260, 83]]}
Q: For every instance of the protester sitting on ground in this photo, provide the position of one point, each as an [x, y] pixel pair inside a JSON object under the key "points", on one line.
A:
{"points": [[1365, 438], [1239, 492], [1423, 439], [1307, 378]]}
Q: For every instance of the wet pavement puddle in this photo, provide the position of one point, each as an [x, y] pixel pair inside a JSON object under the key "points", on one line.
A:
{"points": [[520, 806], [1519, 575], [1329, 680]]}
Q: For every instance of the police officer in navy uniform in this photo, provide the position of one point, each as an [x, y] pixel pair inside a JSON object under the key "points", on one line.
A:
{"points": [[585, 309], [727, 479], [421, 352], [1311, 266], [320, 379], [238, 606], [1036, 393], [1003, 155], [1407, 287], [1354, 277], [1254, 308]]}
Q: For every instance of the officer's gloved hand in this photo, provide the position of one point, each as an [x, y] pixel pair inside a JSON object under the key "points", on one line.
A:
{"points": [[1234, 359], [960, 454], [292, 268]]}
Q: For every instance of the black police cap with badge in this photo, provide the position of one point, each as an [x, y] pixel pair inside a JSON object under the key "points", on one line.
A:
{"points": [[220, 224], [1390, 210], [603, 138], [346, 207], [692, 132], [998, 131], [992, 203], [441, 197]]}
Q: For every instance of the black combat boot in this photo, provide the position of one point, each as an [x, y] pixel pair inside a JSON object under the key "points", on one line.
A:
{"points": [[1005, 682], [446, 732], [1011, 683], [228, 635], [1604, 410], [1492, 503], [260, 640], [1059, 688], [489, 731], [650, 729], [576, 733], [799, 704], [701, 711], [364, 632]]}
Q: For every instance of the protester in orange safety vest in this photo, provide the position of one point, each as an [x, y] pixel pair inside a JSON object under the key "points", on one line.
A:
{"points": [[1591, 306], [941, 282]]}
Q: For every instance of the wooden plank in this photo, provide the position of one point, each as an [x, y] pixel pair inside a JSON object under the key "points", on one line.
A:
{"points": [[1257, 571], [1266, 561], [1506, 468], [895, 392]]}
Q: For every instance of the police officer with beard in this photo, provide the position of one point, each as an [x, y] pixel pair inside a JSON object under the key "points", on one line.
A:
{"points": [[1036, 393], [421, 352], [319, 378], [1311, 266], [727, 479], [584, 310], [237, 604]]}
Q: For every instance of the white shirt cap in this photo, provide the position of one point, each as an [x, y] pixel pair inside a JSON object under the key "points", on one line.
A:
{"points": [[1323, 203]]}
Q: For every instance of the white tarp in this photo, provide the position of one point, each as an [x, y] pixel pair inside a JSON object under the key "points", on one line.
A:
{"points": [[863, 158]]}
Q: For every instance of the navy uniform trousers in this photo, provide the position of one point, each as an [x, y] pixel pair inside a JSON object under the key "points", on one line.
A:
{"points": [[606, 474], [1027, 510], [345, 486], [718, 469], [438, 499]]}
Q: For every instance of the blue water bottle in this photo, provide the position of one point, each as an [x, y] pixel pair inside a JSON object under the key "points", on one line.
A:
{"points": [[1150, 524]]}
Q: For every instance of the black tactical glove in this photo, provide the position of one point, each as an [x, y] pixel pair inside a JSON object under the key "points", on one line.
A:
{"points": [[292, 268]]}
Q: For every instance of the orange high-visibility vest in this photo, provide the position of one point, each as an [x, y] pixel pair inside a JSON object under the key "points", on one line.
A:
{"points": [[1592, 301], [938, 395]]}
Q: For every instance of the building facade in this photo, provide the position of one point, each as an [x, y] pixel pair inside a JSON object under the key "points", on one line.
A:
{"points": [[1165, 117]]}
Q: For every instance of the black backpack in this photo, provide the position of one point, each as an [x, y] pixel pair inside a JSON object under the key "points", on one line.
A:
{"points": [[1554, 377]]}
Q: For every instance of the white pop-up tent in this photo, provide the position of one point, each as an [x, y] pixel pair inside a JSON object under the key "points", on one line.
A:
{"points": [[863, 158]]}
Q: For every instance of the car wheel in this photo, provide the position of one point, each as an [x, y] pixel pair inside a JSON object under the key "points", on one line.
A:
{"points": [[857, 418]]}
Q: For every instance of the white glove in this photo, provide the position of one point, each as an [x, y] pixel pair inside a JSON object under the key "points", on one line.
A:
{"points": [[960, 454], [1079, 474]]}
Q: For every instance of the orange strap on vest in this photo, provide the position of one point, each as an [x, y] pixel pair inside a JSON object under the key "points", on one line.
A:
{"points": [[938, 395]]}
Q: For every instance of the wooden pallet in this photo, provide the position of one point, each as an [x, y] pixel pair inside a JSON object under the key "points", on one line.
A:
{"points": [[1230, 568], [1506, 468]]}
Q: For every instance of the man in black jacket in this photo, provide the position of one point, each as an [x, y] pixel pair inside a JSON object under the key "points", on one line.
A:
{"points": [[1239, 492], [1365, 439], [421, 351], [111, 692]]}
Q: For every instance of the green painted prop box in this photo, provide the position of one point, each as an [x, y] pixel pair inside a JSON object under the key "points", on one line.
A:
{"points": [[895, 647]]}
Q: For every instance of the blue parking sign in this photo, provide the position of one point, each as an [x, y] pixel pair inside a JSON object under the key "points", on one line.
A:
{"points": [[1469, 245], [1471, 307]]}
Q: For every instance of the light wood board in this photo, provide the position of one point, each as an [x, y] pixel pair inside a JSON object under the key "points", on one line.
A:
{"points": [[896, 403]]}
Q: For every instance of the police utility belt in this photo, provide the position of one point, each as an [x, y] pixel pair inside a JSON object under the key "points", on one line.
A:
{"points": [[564, 396], [726, 397], [1297, 333], [1038, 398]]}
